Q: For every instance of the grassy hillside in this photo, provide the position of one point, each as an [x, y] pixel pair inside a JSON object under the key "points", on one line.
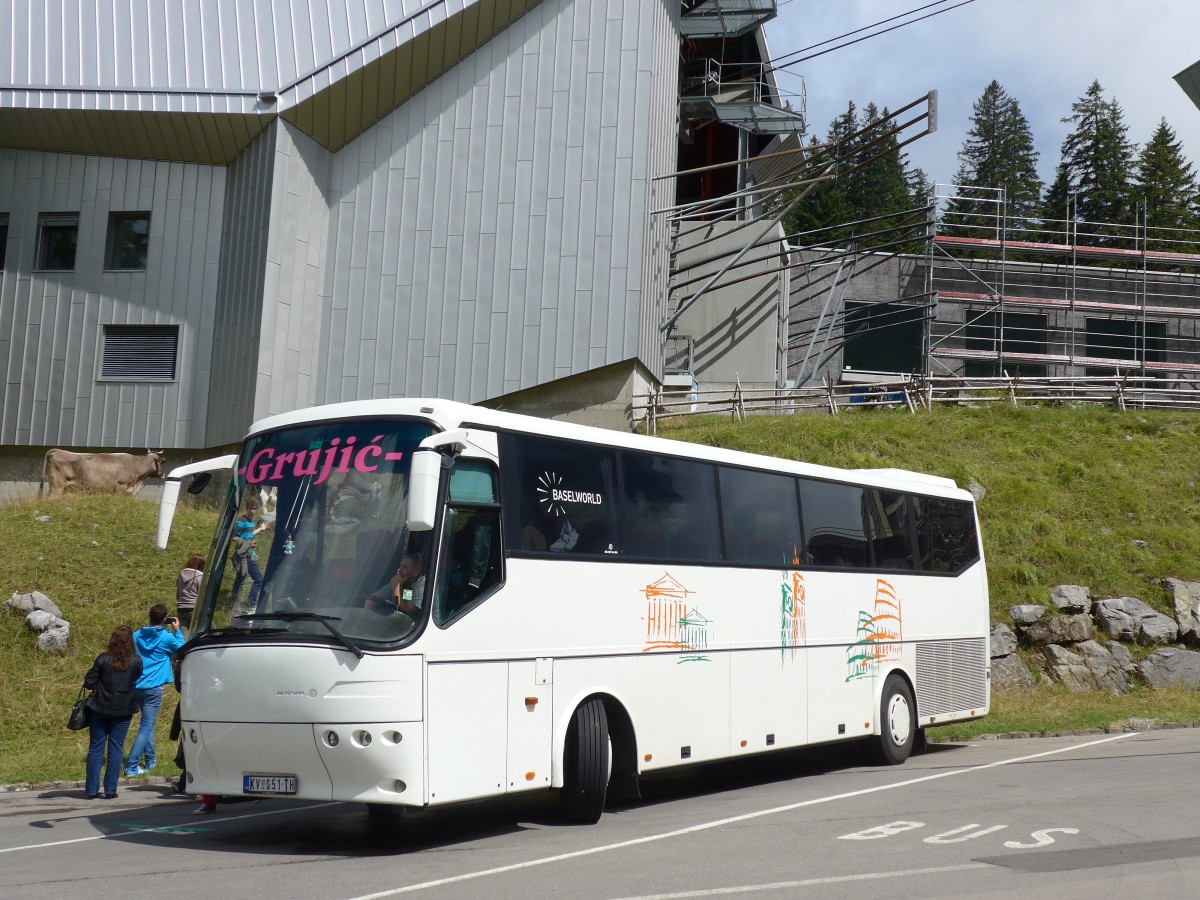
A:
{"points": [[1070, 492], [96, 559]]}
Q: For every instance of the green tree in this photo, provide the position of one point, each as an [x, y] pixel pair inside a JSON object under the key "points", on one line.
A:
{"points": [[1096, 166], [997, 152], [872, 180], [1165, 181]]}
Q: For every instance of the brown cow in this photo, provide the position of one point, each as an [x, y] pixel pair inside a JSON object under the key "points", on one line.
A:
{"points": [[112, 472]]}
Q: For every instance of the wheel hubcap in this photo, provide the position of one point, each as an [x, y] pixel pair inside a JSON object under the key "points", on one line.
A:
{"points": [[899, 720]]}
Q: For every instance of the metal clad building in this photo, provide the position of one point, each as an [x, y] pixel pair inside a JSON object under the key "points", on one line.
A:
{"points": [[214, 212]]}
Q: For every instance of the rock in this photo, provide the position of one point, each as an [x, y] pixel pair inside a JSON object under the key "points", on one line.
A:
{"points": [[22, 603], [977, 490], [1122, 655], [1010, 674], [1071, 598], [1069, 669], [39, 620], [42, 519], [26, 603], [1186, 598], [1171, 667], [54, 640], [1107, 671], [1140, 544], [1133, 620], [1004, 641], [1060, 630], [1026, 613], [41, 601]]}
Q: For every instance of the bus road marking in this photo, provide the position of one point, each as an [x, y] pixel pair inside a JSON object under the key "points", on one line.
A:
{"points": [[731, 820]]}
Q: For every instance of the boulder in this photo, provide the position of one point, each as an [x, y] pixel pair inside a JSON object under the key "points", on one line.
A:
{"points": [[1107, 671], [1011, 675], [1122, 655], [1067, 668], [54, 640], [1186, 598], [39, 620], [1060, 630], [1171, 667], [1026, 613], [26, 603], [1130, 619], [1004, 641], [1071, 598]]}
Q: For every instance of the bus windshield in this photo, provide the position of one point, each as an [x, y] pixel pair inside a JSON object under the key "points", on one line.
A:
{"points": [[312, 540]]}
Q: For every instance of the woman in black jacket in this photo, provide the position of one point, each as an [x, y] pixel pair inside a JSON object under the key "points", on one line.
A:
{"points": [[110, 709]]}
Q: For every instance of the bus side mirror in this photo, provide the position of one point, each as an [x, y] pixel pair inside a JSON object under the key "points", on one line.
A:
{"points": [[199, 482], [423, 479]]}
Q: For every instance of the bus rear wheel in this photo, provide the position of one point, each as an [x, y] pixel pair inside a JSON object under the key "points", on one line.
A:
{"points": [[898, 723], [586, 764]]}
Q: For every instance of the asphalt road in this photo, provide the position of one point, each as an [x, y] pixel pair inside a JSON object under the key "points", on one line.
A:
{"points": [[1054, 817]]}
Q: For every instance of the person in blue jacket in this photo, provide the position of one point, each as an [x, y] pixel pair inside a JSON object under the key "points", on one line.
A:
{"points": [[156, 643]]}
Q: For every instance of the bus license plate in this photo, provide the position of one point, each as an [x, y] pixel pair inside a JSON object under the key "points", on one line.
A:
{"points": [[268, 784]]}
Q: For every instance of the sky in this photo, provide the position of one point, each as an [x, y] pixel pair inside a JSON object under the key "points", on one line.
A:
{"points": [[1044, 53]]}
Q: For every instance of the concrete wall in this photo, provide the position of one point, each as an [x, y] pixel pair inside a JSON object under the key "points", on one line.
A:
{"points": [[738, 331], [602, 397]]}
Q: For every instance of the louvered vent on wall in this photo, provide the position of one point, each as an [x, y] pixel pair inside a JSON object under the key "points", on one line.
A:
{"points": [[951, 676], [140, 352]]}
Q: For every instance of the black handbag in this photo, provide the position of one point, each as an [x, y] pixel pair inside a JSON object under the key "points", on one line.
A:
{"points": [[78, 720]]}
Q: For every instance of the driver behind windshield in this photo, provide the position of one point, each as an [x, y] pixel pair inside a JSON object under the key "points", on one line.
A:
{"points": [[404, 591]]}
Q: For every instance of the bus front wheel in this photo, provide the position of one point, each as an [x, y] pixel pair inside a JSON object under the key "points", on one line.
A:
{"points": [[586, 764], [898, 722]]}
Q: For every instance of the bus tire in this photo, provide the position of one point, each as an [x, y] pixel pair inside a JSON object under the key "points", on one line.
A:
{"points": [[586, 764], [897, 723]]}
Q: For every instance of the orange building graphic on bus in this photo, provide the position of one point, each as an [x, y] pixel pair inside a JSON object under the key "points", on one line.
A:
{"points": [[880, 631], [792, 620], [671, 623]]}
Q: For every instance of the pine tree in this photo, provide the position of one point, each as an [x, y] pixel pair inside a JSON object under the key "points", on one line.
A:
{"points": [[998, 152], [1166, 183], [1096, 166], [872, 180]]}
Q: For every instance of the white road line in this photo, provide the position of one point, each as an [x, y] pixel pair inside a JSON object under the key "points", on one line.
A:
{"points": [[718, 823], [809, 882], [116, 834]]}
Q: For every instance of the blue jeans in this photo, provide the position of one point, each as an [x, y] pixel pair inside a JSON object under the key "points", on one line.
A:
{"points": [[254, 573], [108, 732], [148, 701]]}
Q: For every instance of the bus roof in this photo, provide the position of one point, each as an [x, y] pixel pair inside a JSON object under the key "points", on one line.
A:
{"points": [[449, 414]]}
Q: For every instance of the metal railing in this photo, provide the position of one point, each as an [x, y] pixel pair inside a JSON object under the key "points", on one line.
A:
{"points": [[918, 393]]}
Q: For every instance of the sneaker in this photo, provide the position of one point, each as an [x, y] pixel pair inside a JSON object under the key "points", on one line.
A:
{"points": [[203, 809], [134, 772]]}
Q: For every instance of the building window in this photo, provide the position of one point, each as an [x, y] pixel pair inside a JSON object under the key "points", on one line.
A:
{"points": [[140, 352], [883, 337], [3, 238], [1125, 341], [128, 240], [58, 236], [1022, 333]]}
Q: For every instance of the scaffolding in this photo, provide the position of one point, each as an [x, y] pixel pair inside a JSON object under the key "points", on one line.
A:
{"points": [[1060, 297]]}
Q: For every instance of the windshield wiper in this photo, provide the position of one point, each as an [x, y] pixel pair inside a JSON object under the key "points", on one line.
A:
{"points": [[327, 621]]}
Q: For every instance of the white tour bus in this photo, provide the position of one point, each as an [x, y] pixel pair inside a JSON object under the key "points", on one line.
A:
{"points": [[461, 603]]}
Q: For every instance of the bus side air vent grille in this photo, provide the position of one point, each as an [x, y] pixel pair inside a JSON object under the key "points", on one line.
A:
{"points": [[951, 676]]}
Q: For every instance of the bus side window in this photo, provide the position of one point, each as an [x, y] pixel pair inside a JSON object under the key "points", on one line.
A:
{"points": [[471, 565], [834, 532]]}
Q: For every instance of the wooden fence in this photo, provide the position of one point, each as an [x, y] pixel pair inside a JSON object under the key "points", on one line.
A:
{"points": [[919, 393]]}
